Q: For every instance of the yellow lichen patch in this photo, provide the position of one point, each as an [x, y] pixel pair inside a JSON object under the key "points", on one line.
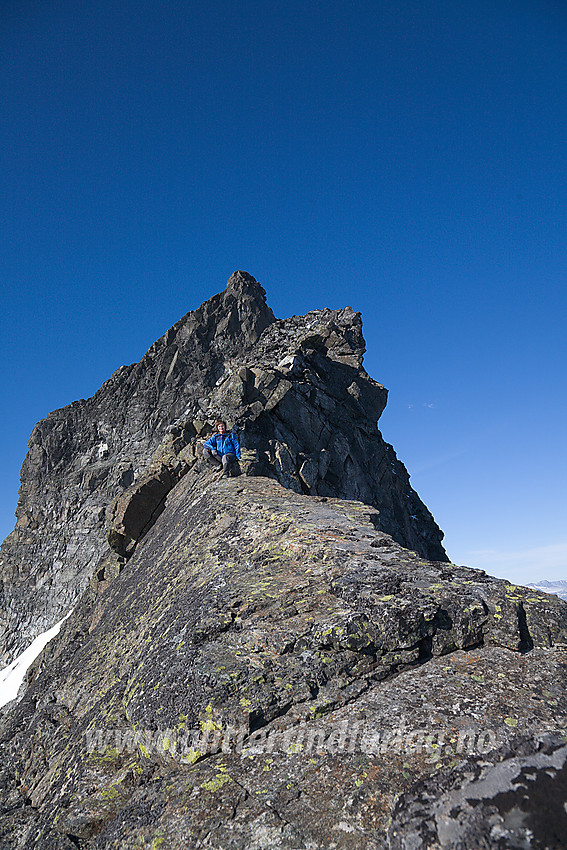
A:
{"points": [[135, 768], [217, 782], [109, 793], [210, 725], [110, 754]]}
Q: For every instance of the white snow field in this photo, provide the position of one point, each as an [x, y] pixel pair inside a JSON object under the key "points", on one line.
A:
{"points": [[12, 676]]}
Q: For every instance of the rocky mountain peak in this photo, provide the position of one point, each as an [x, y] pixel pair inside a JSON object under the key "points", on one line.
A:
{"points": [[238, 315], [243, 282], [226, 325], [296, 391], [282, 659]]}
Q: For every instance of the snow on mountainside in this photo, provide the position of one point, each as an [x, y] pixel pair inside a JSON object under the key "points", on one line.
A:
{"points": [[557, 587], [12, 676]]}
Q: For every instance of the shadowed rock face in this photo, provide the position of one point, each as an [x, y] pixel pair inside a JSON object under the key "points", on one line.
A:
{"points": [[297, 392], [270, 669]]}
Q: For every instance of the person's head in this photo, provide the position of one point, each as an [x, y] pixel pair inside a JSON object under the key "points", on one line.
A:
{"points": [[221, 426]]}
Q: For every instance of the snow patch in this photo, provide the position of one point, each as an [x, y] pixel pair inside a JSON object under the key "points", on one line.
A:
{"points": [[12, 676]]}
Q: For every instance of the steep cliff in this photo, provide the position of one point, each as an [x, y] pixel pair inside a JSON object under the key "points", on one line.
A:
{"points": [[295, 388]]}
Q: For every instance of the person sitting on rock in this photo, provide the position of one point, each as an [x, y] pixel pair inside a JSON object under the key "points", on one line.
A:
{"points": [[222, 449]]}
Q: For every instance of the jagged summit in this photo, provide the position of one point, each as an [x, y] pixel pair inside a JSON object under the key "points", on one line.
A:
{"points": [[243, 282], [224, 326], [232, 320]]}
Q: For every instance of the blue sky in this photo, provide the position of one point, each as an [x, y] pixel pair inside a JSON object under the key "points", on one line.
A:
{"points": [[406, 158]]}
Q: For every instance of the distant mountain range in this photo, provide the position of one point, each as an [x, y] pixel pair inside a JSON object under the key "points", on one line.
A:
{"points": [[557, 587]]}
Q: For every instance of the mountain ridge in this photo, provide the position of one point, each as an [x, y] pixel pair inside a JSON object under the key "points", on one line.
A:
{"points": [[269, 666], [284, 659], [308, 373], [558, 587]]}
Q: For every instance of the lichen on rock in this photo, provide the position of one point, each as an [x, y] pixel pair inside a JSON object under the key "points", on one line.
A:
{"points": [[260, 650]]}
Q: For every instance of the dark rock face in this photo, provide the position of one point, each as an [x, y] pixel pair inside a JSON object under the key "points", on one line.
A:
{"points": [[269, 669], [296, 390]]}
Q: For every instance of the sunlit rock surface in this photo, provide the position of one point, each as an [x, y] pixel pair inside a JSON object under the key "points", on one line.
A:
{"points": [[270, 670]]}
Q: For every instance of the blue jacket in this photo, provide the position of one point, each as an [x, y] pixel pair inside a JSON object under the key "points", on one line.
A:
{"points": [[224, 443]]}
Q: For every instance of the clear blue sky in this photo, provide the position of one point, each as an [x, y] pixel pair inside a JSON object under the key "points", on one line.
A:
{"points": [[406, 158]]}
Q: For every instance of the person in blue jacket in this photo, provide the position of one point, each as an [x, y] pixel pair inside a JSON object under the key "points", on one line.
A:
{"points": [[222, 449]]}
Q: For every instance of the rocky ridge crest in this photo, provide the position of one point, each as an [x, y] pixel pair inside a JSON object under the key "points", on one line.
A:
{"points": [[296, 390], [270, 670], [285, 659]]}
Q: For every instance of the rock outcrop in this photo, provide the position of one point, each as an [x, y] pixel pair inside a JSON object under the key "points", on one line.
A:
{"points": [[271, 670], [296, 390], [284, 659]]}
